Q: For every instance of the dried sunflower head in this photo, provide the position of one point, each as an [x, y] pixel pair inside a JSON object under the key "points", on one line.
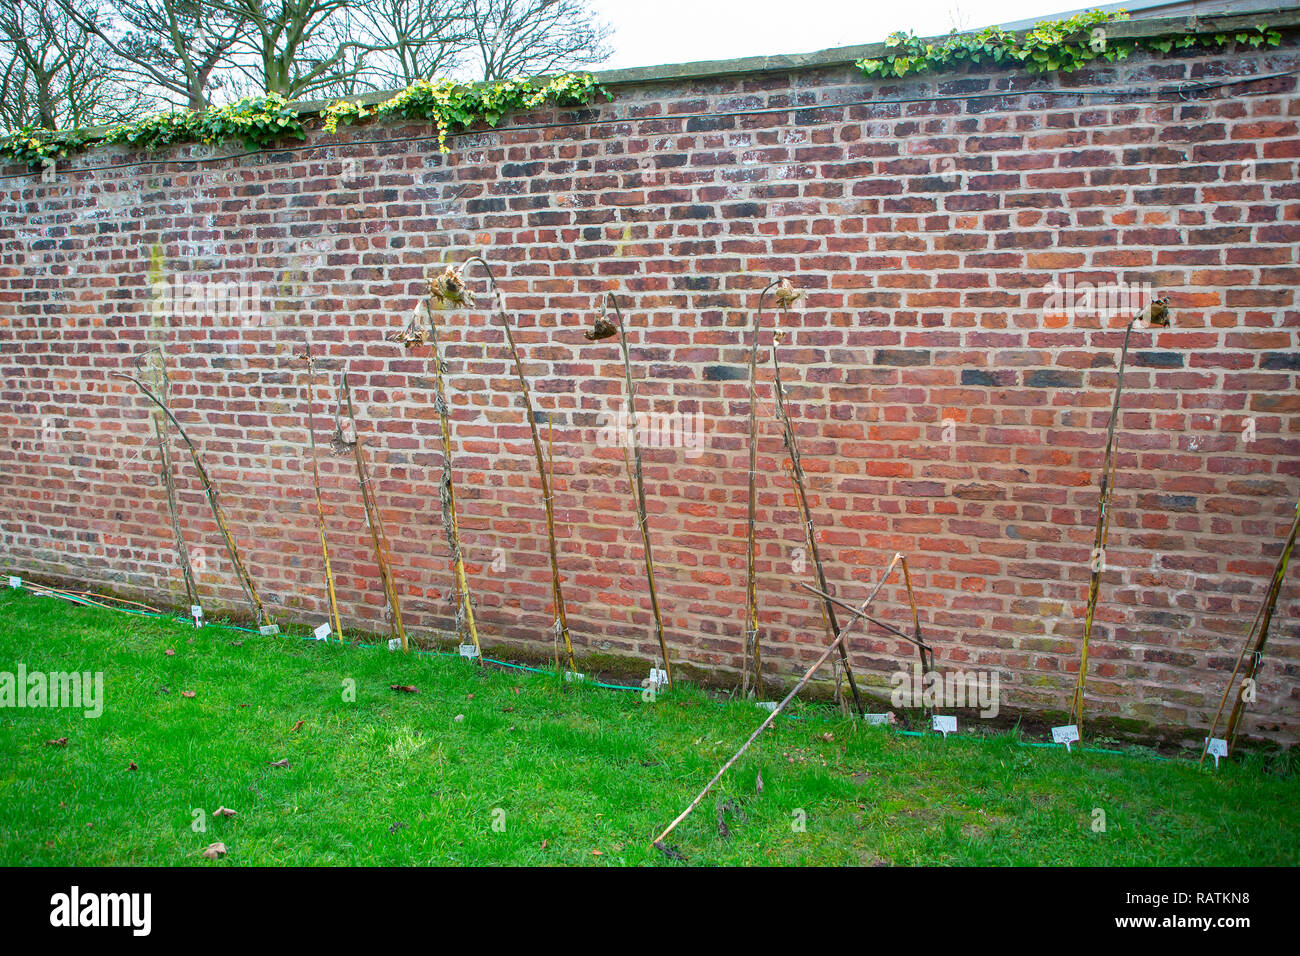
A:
{"points": [[786, 295], [1156, 314], [343, 440], [450, 290], [603, 329]]}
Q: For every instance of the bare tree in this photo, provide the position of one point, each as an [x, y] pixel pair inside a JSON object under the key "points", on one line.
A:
{"points": [[412, 39], [298, 48], [511, 38], [180, 46], [54, 74]]}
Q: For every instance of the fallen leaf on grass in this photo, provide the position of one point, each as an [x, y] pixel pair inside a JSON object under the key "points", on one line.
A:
{"points": [[169, 652], [236, 643], [57, 742], [758, 783], [282, 764], [223, 812], [187, 693], [132, 766], [596, 853], [828, 737], [296, 727], [215, 851], [404, 688]]}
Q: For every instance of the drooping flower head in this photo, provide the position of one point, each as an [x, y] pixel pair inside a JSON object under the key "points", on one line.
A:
{"points": [[450, 290], [787, 295]]}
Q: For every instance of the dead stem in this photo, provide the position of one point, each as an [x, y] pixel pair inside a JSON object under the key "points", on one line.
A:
{"points": [[335, 622], [603, 329], [805, 511], [245, 581], [752, 669], [457, 288], [375, 521]]}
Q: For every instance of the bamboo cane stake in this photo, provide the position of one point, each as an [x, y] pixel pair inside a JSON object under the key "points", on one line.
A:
{"points": [[245, 581], [561, 624], [657, 842], [1157, 314], [375, 521], [1258, 634], [162, 434], [752, 670], [604, 329], [465, 624], [335, 623], [805, 512]]}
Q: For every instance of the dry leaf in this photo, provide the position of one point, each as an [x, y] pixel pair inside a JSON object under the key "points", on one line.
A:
{"points": [[132, 766], [57, 742], [223, 812], [296, 727], [282, 764], [596, 853], [758, 783], [169, 652], [187, 693], [215, 851], [828, 737], [404, 688]]}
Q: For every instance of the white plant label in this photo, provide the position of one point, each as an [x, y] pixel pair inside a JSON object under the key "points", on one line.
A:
{"points": [[573, 677], [468, 651], [1069, 734], [269, 630], [658, 677], [322, 633], [945, 725], [196, 612], [15, 582], [1216, 747], [876, 720], [394, 643]]}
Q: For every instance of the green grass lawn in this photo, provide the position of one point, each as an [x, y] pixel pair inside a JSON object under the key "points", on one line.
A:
{"points": [[569, 774]]}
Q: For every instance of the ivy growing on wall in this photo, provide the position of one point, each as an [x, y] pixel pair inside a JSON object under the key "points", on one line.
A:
{"points": [[263, 121], [1053, 46]]}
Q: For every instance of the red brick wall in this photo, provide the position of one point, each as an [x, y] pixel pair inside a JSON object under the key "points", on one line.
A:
{"points": [[925, 233]]}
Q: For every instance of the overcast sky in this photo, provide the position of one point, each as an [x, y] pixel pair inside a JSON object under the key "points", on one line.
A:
{"points": [[649, 32]]}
